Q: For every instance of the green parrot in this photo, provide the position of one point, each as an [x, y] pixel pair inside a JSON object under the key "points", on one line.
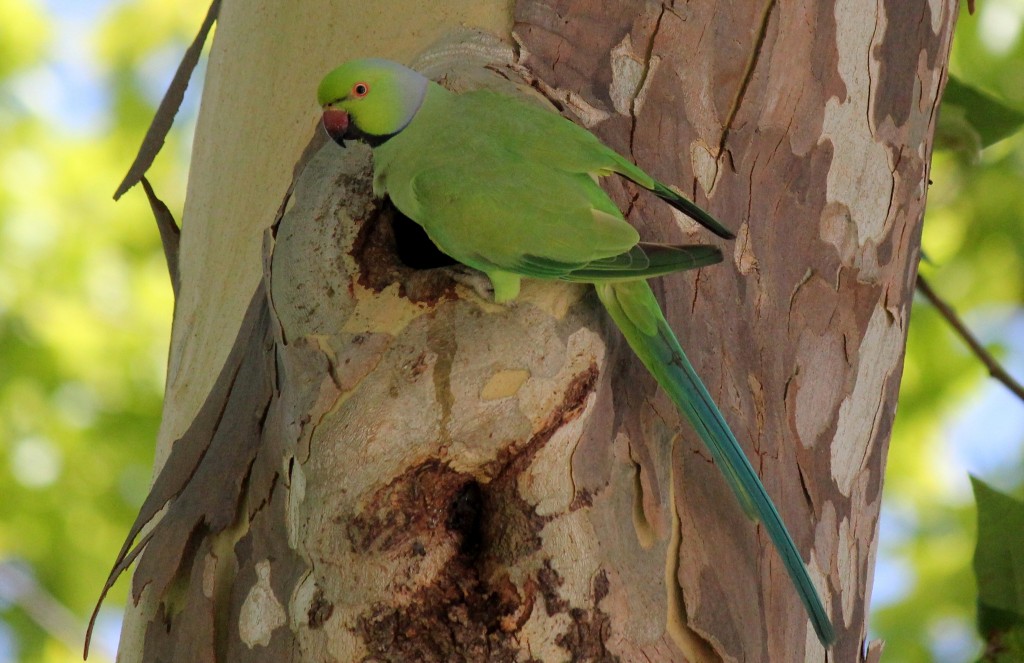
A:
{"points": [[511, 189]]}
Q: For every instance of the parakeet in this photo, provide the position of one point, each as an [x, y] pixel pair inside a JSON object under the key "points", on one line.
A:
{"points": [[511, 189]]}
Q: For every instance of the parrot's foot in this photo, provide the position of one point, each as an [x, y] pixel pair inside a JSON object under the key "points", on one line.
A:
{"points": [[473, 279]]}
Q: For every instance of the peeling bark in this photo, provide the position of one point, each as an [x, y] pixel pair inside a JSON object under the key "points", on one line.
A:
{"points": [[391, 468]]}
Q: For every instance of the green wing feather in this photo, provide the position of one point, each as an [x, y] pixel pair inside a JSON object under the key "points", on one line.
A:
{"points": [[643, 261], [693, 211], [636, 312]]}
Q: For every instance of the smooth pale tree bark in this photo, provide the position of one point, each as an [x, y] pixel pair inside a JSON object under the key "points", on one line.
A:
{"points": [[363, 459]]}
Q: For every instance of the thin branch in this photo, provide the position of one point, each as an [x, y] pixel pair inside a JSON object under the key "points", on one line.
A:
{"points": [[995, 369]]}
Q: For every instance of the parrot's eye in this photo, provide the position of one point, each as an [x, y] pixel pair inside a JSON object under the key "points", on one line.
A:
{"points": [[360, 89]]}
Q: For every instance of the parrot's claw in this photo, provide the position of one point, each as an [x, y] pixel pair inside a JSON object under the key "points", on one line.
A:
{"points": [[475, 280]]}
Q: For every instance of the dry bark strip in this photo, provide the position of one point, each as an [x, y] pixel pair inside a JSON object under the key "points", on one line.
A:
{"points": [[170, 234], [207, 471], [169, 105]]}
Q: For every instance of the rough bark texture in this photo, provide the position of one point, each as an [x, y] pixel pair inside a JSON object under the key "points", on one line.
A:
{"points": [[398, 470]]}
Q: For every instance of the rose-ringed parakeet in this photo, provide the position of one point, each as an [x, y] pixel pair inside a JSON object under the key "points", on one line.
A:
{"points": [[511, 189]]}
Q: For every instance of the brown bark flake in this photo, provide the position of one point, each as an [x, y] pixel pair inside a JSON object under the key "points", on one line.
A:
{"points": [[320, 610]]}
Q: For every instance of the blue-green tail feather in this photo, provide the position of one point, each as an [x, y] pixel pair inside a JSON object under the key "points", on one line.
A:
{"points": [[636, 312]]}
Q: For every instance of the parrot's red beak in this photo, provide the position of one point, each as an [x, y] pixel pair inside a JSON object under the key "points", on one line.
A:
{"points": [[336, 125]]}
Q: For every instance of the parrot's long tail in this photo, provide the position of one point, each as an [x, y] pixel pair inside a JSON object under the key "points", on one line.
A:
{"points": [[636, 312]]}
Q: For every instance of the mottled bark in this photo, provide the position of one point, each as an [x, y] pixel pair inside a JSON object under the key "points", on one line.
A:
{"points": [[392, 468]]}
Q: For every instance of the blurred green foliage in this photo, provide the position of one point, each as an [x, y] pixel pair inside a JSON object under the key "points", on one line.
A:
{"points": [[974, 239], [85, 309], [85, 302]]}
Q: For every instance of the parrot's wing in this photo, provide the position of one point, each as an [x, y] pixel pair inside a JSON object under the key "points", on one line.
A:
{"points": [[541, 136], [563, 221]]}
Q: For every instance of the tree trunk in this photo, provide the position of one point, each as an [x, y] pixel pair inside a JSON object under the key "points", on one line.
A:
{"points": [[371, 462]]}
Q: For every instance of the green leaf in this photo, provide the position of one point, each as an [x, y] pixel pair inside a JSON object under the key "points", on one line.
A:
{"points": [[999, 560], [971, 119]]}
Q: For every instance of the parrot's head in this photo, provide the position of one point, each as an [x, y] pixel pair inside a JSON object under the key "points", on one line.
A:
{"points": [[370, 100]]}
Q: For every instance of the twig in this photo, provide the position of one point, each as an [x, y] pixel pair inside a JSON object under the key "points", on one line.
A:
{"points": [[995, 369]]}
